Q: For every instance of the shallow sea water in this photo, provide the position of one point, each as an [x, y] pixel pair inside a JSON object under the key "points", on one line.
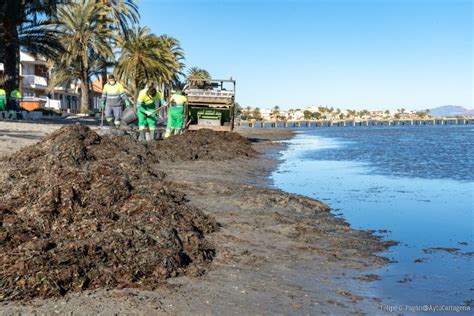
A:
{"points": [[416, 182]]}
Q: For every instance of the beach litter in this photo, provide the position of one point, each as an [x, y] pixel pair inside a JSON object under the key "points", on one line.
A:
{"points": [[79, 211]]}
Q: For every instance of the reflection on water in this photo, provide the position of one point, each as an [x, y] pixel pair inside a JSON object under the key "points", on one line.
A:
{"points": [[414, 151], [416, 182]]}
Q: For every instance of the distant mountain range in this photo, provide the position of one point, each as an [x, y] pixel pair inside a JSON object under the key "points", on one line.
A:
{"points": [[450, 111]]}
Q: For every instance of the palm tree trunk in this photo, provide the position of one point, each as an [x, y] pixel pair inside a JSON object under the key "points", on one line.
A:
{"points": [[11, 56], [3, 8], [136, 91], [85, 104], [84, 98]]}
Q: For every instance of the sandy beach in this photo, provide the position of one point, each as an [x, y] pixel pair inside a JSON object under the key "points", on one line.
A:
{"points": [[277, 253]]}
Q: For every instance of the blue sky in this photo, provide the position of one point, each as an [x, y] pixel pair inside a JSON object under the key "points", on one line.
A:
{"points": [[371, 54]]}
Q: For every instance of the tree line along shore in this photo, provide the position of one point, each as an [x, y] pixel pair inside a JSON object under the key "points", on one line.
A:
{"points": [[80, 41]]}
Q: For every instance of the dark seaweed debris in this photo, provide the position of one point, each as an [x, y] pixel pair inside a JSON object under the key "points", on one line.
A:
{"points": [[204, 144], [78, 211]]}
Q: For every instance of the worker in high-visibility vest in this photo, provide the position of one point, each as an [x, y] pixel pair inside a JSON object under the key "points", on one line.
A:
{"points": [[3, 100], [15, 98], [176, 113], [113, 98], [149, 99]]}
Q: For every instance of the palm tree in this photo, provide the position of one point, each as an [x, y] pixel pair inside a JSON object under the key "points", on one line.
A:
{"points": [[85, 44], [144, 58], [401, 111], [174, 46], [119, 16], [421, 114], [20, 26], [256, 113], [197, 77], [238, 108], [316, 115], [276, 111]]}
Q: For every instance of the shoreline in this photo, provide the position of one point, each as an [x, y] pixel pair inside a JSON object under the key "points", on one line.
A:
{"points": [[276, 252]]}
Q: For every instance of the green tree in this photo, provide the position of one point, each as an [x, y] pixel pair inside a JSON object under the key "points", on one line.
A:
{"points": [[25, 24], [197, 77], [401, 110], [144, 58], [119, 17], [421, 114], [307, 114], [256, 113], [316, 115], [174, 47], [84, 42], [238, 108], [276, 111]]}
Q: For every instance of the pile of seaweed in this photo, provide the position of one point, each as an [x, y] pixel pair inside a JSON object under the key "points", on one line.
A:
{"points": [[204, 144], [78, 211]]}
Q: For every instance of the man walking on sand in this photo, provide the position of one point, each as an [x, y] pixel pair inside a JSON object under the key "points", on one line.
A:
{"points": [[176, 113], [113, 98]]}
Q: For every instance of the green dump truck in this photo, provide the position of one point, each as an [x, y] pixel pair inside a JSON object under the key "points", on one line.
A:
{"points": [[211, 104]]}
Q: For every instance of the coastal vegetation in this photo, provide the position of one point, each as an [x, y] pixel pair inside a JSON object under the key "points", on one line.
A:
{"points": [[26, 24], [197, 77], [83, 40], [86, 46], [326, 113]]}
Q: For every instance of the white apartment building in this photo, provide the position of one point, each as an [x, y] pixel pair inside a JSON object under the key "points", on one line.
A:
{"points": [[266, 114], [34, 75]]}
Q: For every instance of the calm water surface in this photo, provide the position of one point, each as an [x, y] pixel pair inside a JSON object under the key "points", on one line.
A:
{"points": [[416, 182]]}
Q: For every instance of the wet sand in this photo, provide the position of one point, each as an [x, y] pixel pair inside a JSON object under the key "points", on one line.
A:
{"points": [[277, 253]]}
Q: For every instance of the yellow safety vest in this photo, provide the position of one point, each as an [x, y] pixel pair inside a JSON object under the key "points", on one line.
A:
{"points": [[3, 99], [145, 100], [114, 95], [109, 89], [15, 94], [178, 99]]}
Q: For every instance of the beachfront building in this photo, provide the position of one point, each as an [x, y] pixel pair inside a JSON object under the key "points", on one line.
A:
{"points": [[298, 115], [267, 114], [34, 76], [312, 108]]}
